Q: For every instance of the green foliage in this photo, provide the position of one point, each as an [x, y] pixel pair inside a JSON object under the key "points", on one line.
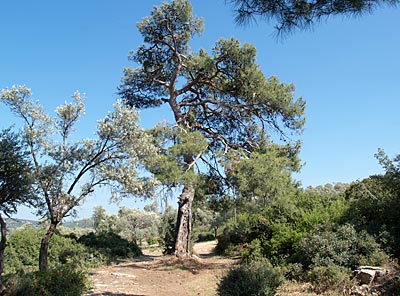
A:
{"points": [[15, 173], [133, 225], [221, 101], [265, 175], [109, 246], [343, 247], [293, 272], [23, 251], [331, 277], [293, 15], [205, 222], [98, 216], [64, 280], [253, 251], [277, 228], [136, 225], [167, 230], [374, 204], [90, 250], [65, 250], [238, 232], [65, 170], [255, 278]]}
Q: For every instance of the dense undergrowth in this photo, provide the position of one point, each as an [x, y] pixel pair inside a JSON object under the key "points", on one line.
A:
{"points": [[317, 237], [69, 259]]}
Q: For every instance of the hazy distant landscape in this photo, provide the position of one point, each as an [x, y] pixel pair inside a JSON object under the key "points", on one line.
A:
{"points": [[13, 223]]}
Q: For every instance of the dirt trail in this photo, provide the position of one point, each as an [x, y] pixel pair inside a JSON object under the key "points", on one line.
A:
{"points": [[154, 274]]}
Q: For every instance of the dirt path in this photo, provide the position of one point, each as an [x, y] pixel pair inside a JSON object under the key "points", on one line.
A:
{"points": [[155, 274]]}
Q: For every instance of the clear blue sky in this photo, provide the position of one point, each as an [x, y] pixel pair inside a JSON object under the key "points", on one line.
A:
{"points": [[347, 70]]}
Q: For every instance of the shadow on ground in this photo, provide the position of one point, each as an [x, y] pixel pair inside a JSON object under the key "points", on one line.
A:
{"points": [[112, 294], [171, 263]]}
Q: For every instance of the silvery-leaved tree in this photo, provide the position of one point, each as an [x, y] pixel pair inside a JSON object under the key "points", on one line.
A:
{"points": [[221, 102], [66, 171]]}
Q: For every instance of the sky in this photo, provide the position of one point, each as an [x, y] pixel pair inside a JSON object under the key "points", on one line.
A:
{"points": [[346, 69]]}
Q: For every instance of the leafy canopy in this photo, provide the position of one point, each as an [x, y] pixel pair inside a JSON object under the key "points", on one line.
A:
{"points": [[15, 178], [222, 99], [66, 171]]}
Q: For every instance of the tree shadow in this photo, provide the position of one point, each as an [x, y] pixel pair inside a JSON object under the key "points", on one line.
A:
{"points": [[112, 294], [171, 263]]}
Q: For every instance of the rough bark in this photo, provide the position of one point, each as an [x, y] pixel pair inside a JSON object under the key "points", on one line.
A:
{"points": [[184, 223], [3, 243], [44, 247]]}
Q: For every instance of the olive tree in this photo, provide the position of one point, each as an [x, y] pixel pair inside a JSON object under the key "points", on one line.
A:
{"points": [[220, 102], [66, 171]]}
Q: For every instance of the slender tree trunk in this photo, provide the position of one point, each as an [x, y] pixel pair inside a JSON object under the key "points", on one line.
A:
{"points": [[3, 243], [184, 223], [44, 247]]}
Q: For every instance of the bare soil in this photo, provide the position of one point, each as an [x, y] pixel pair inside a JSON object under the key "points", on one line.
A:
{"points": [[154, 274]]}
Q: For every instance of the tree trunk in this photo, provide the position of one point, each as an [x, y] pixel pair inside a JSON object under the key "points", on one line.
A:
{"points": [[184, 223], [3, 243], [44, 247]]}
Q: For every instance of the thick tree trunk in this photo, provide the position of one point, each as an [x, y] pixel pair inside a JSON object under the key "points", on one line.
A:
{"points": [[184, 223], [3, 243], [44, 247]]}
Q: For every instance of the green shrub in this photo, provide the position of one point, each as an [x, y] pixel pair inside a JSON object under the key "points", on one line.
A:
{"points": [[256, 278], [342, 246], [275, 237], [167, 230], [247, 227], [253, 251], [66, 250], [22, 251], [23, 246], [63, 280], [293, 272], [325, 278], [109, 246], [152, 240]]}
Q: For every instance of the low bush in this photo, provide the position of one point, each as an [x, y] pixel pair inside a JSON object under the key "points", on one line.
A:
{"points": [[342, 246], [252, 251], [64, 280], [325, 278], [243, 230], [293, 272], [255, 278], [22, 251], [109, 246]]}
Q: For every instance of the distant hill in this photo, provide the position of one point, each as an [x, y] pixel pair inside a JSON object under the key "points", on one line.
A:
{"points": [[84, 223], [13, 223]]}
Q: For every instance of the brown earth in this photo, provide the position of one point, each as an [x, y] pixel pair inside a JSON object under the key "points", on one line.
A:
{"points": [[154, 274]]}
